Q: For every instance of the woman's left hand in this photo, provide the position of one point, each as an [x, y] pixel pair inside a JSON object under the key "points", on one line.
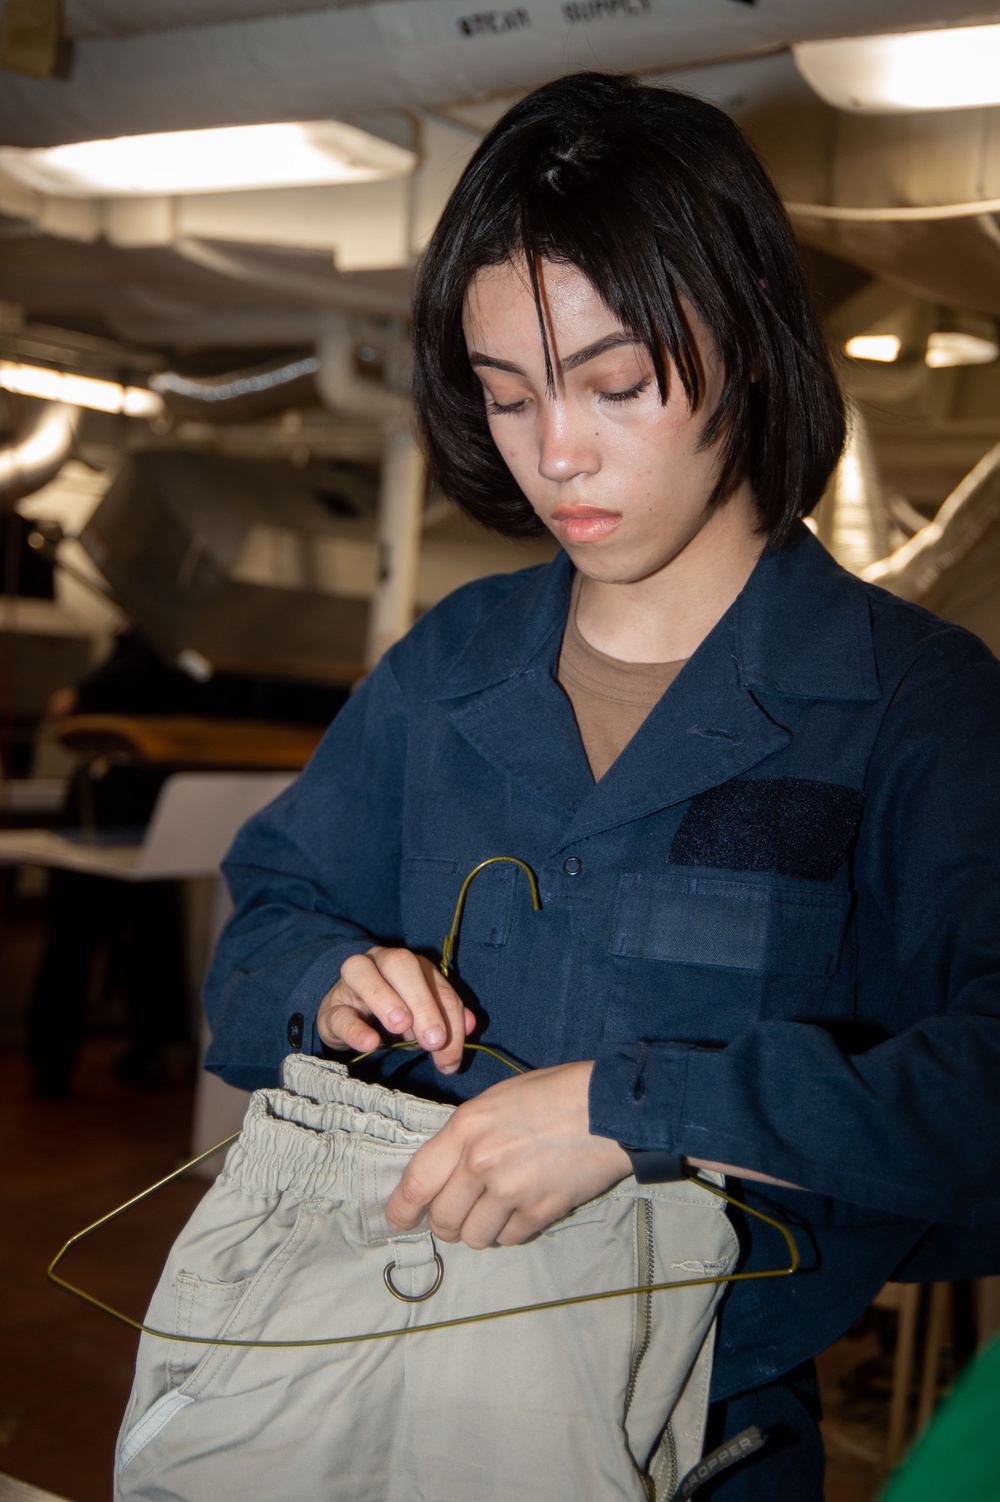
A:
{"points": [[510, 1162]]}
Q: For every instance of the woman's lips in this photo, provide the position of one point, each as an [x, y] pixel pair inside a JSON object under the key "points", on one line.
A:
{"points": [[585, 523]]}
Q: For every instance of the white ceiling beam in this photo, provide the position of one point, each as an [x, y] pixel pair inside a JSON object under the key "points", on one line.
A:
{"points": [[404, 53], [111, 18]]}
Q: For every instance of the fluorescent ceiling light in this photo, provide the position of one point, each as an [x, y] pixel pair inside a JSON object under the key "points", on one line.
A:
{"points": [[951, 347], [951, 69], [79, 391], [882, 347], [305, 153]]}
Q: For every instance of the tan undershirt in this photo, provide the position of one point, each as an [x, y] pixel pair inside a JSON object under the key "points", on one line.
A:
{"points": [[610, 698]]}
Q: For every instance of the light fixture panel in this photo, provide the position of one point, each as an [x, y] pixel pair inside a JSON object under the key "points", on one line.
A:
{"points": [[950, 69], [235, 158], [881, 347], [78, 391], [950, 347]]}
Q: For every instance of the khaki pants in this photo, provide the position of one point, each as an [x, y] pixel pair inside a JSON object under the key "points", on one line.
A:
{"points": [[602, 1401]]}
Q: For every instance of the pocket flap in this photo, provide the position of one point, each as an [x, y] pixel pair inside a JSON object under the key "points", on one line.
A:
{"points": [[429, 890], [762, 926]]}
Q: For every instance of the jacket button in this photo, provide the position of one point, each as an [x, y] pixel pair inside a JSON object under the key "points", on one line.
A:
{"points": [[573, 865], [296, 1025]]}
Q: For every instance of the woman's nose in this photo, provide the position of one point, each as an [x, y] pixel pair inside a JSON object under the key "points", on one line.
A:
{"points": [[567, 443]]}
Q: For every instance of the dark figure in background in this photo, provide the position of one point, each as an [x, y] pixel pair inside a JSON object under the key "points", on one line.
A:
{"points": [[141, 922]]}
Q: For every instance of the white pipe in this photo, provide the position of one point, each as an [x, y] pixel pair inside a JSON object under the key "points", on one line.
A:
{"points": [[924, 213], [947, 542], [852, 519], [239, 393], [329, 293], [343, 390], [37, 455], [400, 532], [232, 328], [401, 489]]}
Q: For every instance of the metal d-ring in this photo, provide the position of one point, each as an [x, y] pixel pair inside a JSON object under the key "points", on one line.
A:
{"points": [[414, 1298]]}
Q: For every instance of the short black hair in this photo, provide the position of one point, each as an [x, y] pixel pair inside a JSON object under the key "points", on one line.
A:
{"points": [[655, 196]]}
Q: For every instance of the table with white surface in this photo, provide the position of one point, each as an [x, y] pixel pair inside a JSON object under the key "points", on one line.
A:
{"points": [[195, 820]]}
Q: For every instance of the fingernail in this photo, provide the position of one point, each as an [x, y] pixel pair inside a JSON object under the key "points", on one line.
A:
{"points": [[434, 1038], [396, 1019], [449, 1068]]}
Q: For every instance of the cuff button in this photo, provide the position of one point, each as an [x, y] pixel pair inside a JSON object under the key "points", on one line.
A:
{"points": [[295, 1029]]}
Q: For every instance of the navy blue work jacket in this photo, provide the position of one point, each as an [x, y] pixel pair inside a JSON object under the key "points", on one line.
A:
{"points": [[773, 923]]}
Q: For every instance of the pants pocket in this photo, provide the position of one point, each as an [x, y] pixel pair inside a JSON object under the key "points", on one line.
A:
{"points": [[165, 1384], [148, 1427], [201, 1308]]}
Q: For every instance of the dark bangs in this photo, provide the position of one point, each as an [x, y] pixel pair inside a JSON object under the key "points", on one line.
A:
{"points": [[654, 196]]}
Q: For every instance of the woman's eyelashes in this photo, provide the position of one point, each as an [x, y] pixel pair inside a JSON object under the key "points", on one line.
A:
{"points": [[628, 395], [501, 409], [496, 408]]}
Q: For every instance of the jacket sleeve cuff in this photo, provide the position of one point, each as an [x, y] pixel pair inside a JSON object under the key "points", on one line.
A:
{"points": [[305, 999], [284, 1023], [637, 1093]]}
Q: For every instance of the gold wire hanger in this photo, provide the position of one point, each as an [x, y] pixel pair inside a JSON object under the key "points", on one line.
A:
{"points": [[447, 955]]}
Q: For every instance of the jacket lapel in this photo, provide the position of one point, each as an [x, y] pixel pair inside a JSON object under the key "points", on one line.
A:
{"points": [[526, 729], [800, 629], [706, 729], [506, 700]]}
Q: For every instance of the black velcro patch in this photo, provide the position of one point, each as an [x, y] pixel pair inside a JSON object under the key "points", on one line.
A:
{"points": [[790, 826]]}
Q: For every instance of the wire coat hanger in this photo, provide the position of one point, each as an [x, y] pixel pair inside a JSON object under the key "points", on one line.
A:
{"points": [[447, 956]]}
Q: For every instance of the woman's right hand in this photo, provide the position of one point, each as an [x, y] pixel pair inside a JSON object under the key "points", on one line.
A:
{"points": [[403, 992]]}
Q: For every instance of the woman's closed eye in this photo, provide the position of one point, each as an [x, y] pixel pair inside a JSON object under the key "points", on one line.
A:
{"points": [[497, 408], [501, 409], [629, 394]]}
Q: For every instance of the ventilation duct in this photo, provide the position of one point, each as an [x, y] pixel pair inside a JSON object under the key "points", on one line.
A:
{"points": [[257, 568]]}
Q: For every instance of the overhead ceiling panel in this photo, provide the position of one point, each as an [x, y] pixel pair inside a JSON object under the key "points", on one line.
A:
{"points": [[314, 64], [110, 18]]}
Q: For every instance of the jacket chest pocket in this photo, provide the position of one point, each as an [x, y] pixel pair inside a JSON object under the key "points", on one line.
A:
{"points": [[429, 888], [766, 927]]}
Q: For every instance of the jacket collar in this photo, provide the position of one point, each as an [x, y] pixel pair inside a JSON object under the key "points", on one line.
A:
{"points": [[800, 629], [512, 636], [803, 626]]}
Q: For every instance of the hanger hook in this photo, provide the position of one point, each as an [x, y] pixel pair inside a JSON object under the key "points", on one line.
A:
{"points": [[448, 946]]}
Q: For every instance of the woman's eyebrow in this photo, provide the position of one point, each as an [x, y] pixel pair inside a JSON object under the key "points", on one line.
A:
{"points": [[599, 347], [475, 358], [579, 357]]}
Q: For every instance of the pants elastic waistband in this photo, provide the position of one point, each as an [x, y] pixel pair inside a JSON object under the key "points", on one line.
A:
{"points": [[322, 1080]]}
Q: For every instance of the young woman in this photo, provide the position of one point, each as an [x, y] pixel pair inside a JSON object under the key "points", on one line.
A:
{"points": [[758, 796]]}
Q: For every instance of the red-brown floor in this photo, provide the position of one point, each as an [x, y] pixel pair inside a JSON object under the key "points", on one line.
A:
{"points": [[66, 1370]]}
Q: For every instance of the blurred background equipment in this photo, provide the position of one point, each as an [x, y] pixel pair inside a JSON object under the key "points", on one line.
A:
{"points": [[136, 720], [196, 278], [196, 549]]}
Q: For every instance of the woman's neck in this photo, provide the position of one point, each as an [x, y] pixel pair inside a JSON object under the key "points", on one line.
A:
{"points": [[667, 615]]}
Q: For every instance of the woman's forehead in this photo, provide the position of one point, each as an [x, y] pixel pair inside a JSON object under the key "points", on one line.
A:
{"points": [[501, 312], [502, 299]]}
